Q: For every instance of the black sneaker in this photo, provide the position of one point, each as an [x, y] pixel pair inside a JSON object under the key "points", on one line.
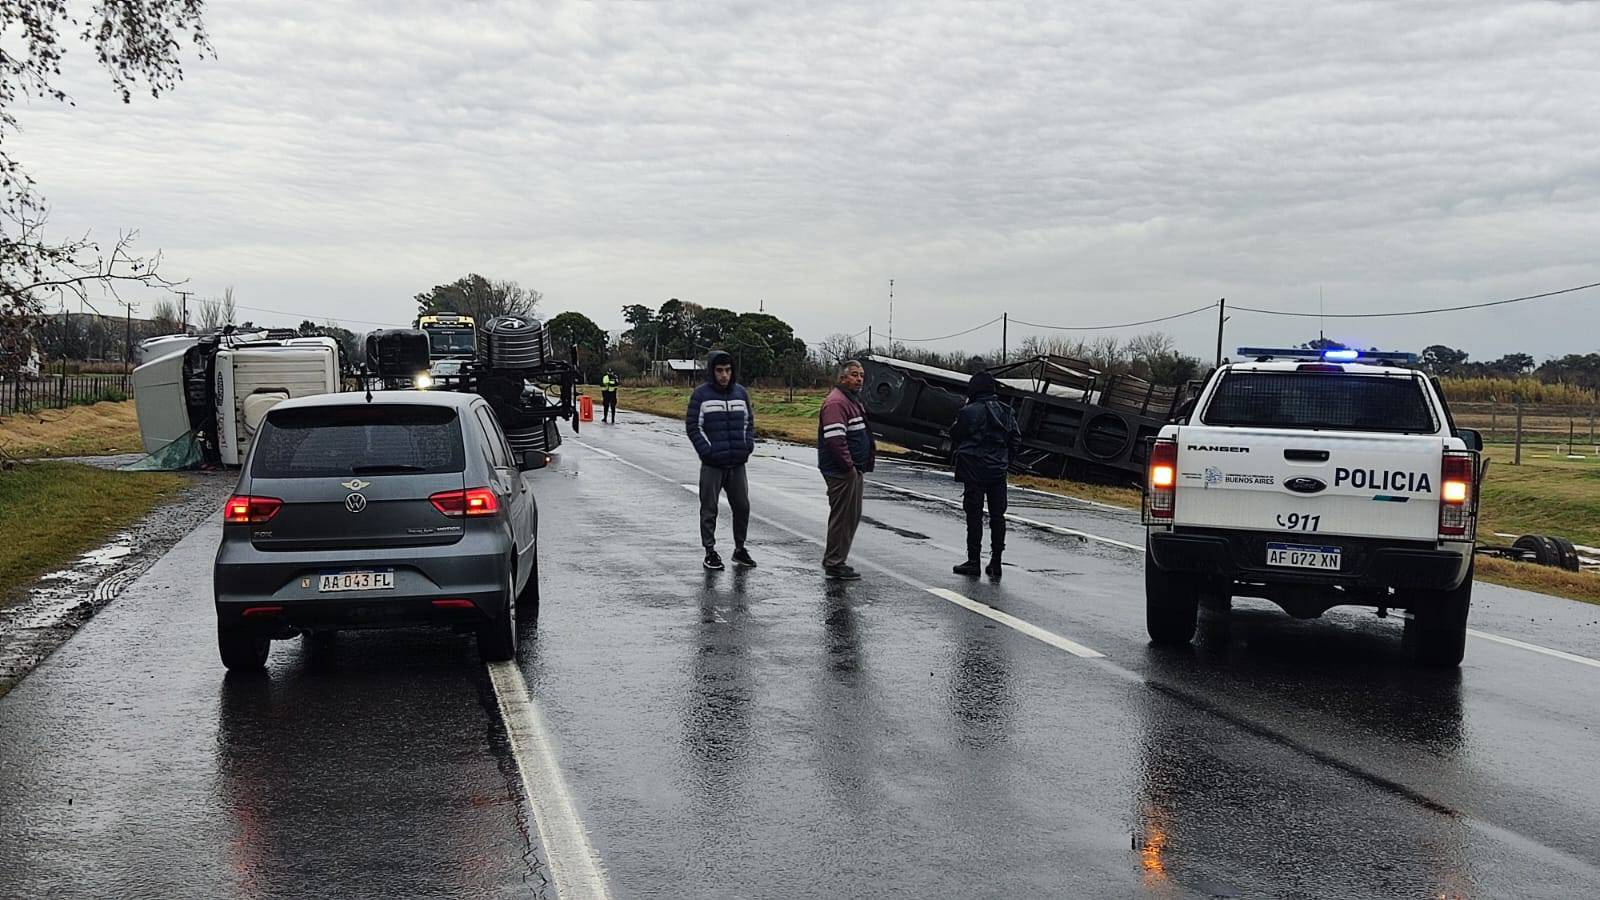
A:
{"points": [[713, 561], [968, 568], [842, 573], [741, 557]]}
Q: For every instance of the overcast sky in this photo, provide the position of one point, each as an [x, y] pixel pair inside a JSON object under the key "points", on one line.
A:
{"points": [[1071, 164]]}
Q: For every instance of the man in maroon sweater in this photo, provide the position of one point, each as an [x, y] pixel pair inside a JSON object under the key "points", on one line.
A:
{"points": [[845, 453]]}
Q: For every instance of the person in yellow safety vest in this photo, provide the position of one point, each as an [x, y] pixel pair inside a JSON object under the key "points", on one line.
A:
{"points": [[608, 397]]}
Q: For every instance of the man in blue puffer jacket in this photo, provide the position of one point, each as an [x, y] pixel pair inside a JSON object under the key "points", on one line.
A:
{"points": [[722, 426]]}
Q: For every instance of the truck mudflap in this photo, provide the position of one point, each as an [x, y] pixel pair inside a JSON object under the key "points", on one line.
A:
{"points": [[1365, 564]]}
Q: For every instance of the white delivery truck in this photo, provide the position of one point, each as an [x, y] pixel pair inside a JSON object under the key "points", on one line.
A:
{"points": [[1315, 480]]}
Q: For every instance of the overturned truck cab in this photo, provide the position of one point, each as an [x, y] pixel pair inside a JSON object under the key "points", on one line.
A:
{"points": [[1074, 418]]}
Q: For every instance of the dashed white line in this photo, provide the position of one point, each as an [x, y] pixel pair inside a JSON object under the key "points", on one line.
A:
{"points": [[1010, 621], [574, 865], [1524, 645]]}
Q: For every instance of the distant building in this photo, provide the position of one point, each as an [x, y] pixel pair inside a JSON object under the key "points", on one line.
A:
{"points": [[680, 371]]}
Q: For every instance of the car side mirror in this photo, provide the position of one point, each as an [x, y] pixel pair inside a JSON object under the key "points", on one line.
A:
{"points": [[1471, 437], [532, 460]]}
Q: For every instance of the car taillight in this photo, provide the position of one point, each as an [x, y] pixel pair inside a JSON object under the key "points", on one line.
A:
{"points": [[247, 510], [470, 502], [1457, 515], [1161, 485]]}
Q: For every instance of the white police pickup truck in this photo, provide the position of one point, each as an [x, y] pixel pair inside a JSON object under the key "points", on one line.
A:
{"points": [[1315, 480]]}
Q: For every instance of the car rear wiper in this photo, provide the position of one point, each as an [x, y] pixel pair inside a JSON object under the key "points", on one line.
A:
{"points": [[385, 468]]}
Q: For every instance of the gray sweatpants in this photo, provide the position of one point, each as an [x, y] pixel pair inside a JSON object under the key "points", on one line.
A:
{"points": [[713, 481]]}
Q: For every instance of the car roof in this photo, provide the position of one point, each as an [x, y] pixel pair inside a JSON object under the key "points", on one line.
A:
{"points": [[448, 399]]}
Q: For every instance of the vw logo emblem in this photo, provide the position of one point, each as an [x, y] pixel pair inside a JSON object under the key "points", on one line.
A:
{"points": [[355, 503], [1304, 485]]}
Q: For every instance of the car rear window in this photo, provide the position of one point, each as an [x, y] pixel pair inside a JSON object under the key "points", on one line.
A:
{"points": [[1324, 400], [322, 442]]}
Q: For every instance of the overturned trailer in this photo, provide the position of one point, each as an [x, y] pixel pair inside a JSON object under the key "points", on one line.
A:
{"points": [[1074, 418]]}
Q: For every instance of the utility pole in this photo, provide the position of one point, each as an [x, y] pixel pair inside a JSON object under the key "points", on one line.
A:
{"points": [[1222, 318], [869, 340], [1005, 329], [185, 295]]}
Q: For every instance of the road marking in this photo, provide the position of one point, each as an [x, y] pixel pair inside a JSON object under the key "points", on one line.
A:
{"points": [[1010, 621], [1510, 642], [1513, 642], [574, 865], [1006, 619]]}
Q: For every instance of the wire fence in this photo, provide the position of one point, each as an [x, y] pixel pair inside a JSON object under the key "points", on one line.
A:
{"points": [[1560, 426], [25, 395]]}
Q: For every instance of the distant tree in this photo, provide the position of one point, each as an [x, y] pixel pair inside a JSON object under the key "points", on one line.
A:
{"points": [[574, 329], [1512, 365], [1437, 359], [164, 316], [836, 348], [479, 297], [713, 326], [217, 312], [138, 44]]}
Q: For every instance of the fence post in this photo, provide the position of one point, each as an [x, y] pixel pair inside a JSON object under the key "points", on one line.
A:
{"points": [[1494, 418], [1516, 457], [1591, 425]]}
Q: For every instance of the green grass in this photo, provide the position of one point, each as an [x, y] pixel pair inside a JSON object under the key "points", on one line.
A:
{"points": [[75, 431], [52, 512]]}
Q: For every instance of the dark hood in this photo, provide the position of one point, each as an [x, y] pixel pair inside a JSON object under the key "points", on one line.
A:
{"points": [[981, 385], [718, 357]]}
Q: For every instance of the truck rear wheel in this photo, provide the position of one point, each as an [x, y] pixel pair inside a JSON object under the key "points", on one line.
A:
{"points": [[1171, 605], [1437, 629]]}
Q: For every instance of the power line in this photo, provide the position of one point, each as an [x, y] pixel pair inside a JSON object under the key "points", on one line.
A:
{"points": [[1418, 312], [1198, 309], [949, 336], [305, 317]]}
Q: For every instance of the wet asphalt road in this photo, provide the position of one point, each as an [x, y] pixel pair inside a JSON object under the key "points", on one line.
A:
{"points": [[766, 733]]}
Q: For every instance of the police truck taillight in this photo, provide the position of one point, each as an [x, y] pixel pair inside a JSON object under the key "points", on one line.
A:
{"points": [[1161, 482], [1457, 497]]}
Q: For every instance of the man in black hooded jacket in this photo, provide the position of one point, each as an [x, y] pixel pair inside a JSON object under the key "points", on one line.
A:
{"points": [[984, 436], [722, 426]]}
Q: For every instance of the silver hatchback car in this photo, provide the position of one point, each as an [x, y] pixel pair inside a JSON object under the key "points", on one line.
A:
{"points": [[406, 509]]}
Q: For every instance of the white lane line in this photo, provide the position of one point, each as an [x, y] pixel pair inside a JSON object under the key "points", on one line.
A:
{"points": [[1110, 506], [1510, 642], [1524, 645], [1010, 621], [1010, 517], [574, 865]]}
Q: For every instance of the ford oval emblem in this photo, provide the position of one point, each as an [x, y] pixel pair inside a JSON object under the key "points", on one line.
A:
{"points": [[1305, 485]]}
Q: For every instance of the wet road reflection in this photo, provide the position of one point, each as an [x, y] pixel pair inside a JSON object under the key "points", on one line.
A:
{"points": [[314, 792], [717, 731]]}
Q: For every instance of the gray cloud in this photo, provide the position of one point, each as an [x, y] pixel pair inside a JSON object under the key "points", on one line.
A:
{"points": [[1072, 164]]}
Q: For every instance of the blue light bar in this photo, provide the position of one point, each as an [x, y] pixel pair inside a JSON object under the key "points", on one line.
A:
{"points": [[1342, 355]]}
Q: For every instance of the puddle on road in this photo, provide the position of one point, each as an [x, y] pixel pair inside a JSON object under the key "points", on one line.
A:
{"points": [[106, 555]]}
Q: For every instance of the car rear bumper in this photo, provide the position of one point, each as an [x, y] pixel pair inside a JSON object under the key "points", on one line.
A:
{"points": [[279, 590], [1369, 565]]}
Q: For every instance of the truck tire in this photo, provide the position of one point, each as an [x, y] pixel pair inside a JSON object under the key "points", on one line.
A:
{"points": [[242, 649], [1544, 549], [1171, 605], [1437, 629], [497, 638], [1569, 554]]}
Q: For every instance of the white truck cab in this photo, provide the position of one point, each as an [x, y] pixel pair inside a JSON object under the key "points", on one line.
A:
{"points": [[1315, 480]]}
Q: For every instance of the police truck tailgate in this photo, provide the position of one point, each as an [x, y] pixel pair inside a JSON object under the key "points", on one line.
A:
{"points": [[1300, 483]]}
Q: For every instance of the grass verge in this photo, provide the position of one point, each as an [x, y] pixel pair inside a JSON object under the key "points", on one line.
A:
{"points": [[777, 417], [52, 512], [75, 431]]}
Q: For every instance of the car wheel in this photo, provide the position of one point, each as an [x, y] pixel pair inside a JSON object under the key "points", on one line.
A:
{"points": [[1437, 630], [529, 598], [242, 649], [1171, 605], [497, 640]]}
